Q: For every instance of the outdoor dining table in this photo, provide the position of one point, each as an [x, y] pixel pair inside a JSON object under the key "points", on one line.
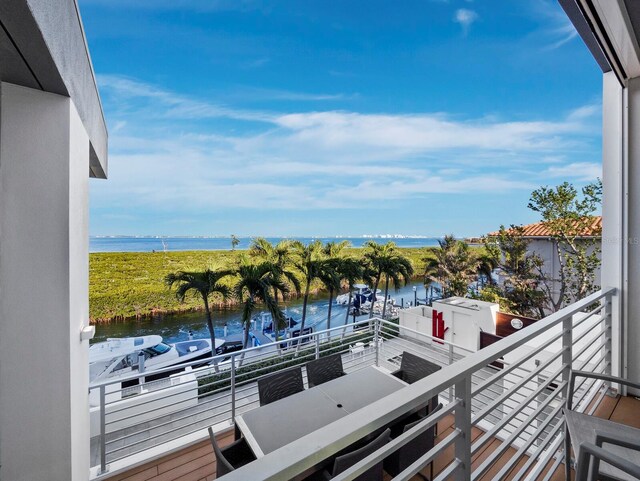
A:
{"points": [[277, 424]]}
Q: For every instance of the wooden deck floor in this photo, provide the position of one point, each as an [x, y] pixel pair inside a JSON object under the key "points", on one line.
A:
{"points": [[197, 462]]}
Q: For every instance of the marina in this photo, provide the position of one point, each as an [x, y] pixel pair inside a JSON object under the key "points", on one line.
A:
{"points": [[176, 327]]}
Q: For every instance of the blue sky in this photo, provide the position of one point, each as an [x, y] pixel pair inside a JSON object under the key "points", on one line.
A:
{"points": [[337, 117]]}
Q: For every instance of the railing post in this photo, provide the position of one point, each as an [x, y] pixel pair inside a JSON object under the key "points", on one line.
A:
{"points": [[450, 362], [567, 360], [317, 346], [608, 332], [463, 424], [376, 340], [233, 387], [103, 434]]}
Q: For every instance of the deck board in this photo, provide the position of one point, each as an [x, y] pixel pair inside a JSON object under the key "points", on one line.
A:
{"points": [[197, 463], [606, 407], [627, 412]]}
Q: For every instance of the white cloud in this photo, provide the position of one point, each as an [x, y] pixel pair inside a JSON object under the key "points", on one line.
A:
{"points": [[581, 171], [557, 29], [257, 63], [258, 94], [164, 158], [126, 90], [465, 17]]}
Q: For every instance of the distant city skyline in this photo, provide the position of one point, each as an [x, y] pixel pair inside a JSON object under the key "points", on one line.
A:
{"points": [[318, 118]]}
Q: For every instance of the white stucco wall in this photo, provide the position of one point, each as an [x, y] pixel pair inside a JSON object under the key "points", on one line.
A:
{"points": [[44, 170], [547, 250]]}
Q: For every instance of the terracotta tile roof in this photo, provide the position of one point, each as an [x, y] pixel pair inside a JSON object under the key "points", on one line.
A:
{"points": [[539, 229]]}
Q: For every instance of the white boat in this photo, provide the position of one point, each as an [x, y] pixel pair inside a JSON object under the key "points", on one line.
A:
{"points": [[361, 294], [391, 309], [120, 357]]}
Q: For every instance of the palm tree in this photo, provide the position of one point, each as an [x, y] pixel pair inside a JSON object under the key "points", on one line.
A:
{"points": [[351, 271], [486, 265], [385, 260], [310, 262], [256, 283], [374, 254], [281, 256], [454, 265], [203, 283], [330, 272], [397, 268]]}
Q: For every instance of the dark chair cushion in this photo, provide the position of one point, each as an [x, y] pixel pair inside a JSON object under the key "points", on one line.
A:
{"points": [[324, 369], [406, 455], [344, 462], [413, 368], [230, 457], [280, 385]]}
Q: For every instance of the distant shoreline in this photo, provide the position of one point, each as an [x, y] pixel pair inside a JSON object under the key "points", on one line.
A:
{"points": [[193, 243]]}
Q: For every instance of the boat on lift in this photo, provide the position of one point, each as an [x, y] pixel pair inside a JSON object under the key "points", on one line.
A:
{"points": [[362, 293]]}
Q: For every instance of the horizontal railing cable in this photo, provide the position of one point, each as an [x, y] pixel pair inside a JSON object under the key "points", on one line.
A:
{"points": [[506, 443], [551, 438], [392, 446]]}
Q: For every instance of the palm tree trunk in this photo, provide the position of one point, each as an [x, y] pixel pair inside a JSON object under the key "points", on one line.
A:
{"points": [[386, 293], [346, 316], [245, 340], [304, 313], [273, 321], [304, 305], [374, 298], [330, 306], [212, 334]]}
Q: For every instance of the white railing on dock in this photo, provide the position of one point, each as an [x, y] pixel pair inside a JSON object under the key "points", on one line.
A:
{"points": [[130, 420], [517, 408]]}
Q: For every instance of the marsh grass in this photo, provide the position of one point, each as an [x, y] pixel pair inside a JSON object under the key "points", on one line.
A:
{"points": [[129, 285]]}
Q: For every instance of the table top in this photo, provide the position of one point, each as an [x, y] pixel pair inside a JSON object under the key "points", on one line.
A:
{"points": [[359, 389], [279, 423]]}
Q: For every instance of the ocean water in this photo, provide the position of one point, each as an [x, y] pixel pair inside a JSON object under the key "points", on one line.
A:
{"points": [[149, 244]]}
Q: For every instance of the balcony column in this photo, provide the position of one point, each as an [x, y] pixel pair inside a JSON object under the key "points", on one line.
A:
{"points": [[631, 227], [621, 219], [44, 171], [614, 207]]}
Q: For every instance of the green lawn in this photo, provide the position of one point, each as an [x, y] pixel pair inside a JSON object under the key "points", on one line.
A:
{"points": [[124, 285]]}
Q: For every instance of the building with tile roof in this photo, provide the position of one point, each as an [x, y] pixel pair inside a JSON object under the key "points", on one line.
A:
{"points": [[541, 230], [543, 244]]}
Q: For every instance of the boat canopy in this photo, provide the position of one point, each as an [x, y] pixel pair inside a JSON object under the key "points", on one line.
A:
{"points": [[118, 347], [360, 286]]}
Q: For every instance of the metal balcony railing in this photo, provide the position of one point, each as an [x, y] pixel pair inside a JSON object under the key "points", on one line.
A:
{"points": [[517, 407], [127, 421]]}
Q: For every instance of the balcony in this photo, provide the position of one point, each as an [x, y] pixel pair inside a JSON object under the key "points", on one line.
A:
{"points": [[197, 462], [501, 419]]}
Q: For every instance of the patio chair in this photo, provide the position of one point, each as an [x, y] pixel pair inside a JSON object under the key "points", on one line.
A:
{"points": [[356, 349], [413, 368], [230, 457], [406, 455], [324, 369], [604, 449], [280, 385], [345, 461]]}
